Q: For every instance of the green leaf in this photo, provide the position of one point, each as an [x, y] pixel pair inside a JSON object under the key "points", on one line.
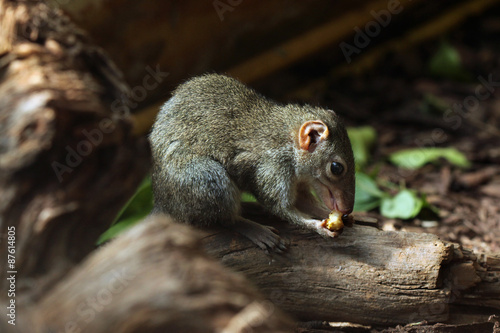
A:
{"points": [[247, 197], [140, 204], [138, 207], [404, 205], [447, 63], [418, 157], [433, 105], [118, 228], [368, 195], [362, 139]]}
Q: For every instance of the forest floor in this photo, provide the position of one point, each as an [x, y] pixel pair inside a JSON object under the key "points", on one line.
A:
{"points": [[410, 106]]}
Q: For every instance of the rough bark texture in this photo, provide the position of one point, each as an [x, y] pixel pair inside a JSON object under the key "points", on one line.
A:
{"points": [[156, 278], [67, 159], [365, 276]]}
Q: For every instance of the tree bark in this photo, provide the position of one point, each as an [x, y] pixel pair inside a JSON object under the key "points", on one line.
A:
{"points": [[365, 276], [68, 161], [156, 278]]}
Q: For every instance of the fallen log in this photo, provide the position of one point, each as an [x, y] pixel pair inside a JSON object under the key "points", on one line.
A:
{"points": [[365, 276], [156, 278]]}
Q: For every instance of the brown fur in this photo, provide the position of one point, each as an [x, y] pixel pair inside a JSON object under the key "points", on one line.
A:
{"points": [[216, 137]]}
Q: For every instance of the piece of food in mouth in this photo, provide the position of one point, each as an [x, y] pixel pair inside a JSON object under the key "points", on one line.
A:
{"points": [[334, 221]]}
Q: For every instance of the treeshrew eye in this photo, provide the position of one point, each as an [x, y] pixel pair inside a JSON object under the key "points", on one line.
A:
{"points": [[337, 168]]}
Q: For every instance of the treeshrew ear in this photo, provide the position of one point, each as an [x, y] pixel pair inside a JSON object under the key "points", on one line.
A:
{"points": [[311, 133]]}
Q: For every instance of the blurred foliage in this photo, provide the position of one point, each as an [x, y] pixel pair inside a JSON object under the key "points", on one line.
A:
{"points": [[247, 197], [406, 203], [446, 63], [368, 195], [433, 105], [417, 157], [137, 208], [362, 140]]}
